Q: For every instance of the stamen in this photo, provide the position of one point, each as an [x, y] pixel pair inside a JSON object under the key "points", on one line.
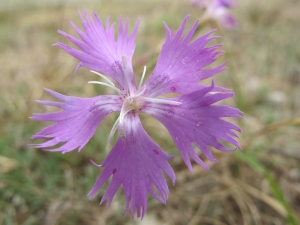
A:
{"points": [[113, 131], [123, 114], [158, 100], [141, 81], [105, 84], [104, 77], [140, 92], [119, 122]]}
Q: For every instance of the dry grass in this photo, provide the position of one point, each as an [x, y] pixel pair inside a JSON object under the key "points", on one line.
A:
{"points": [[259, 185]]}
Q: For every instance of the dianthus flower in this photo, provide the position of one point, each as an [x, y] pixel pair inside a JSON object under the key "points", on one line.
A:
{"points": [[136, 162], [217, 10]]}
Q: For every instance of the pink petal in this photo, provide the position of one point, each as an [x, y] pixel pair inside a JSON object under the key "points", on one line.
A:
{"points": [[78, 121], [183, 62], [197, 121], [135, 163], [100, 51]]}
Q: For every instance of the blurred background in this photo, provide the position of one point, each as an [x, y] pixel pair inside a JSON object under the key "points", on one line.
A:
{"points": [[258, 185]]}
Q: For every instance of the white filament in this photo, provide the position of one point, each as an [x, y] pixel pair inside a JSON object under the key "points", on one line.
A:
{"points": [[105, 84], [140, 92], [141, 81], [118, 124], [104, 77], [112, 132], [123, 114]]}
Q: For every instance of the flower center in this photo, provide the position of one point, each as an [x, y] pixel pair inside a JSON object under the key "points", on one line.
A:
{"points": [[132, 102]]}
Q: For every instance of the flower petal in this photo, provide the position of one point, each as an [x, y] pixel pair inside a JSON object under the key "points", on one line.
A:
{"points": [[183, 62], [99, 49], [197, 121], [227, 20], [218, 10], [135, 163], [78, 121], [226, 3]]}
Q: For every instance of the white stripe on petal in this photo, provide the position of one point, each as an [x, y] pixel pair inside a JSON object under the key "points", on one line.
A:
{"points": [[159, 100]]}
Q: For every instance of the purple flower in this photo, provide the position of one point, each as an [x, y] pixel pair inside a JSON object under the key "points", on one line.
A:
{"points": [[136, 162], [217, 10]]}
